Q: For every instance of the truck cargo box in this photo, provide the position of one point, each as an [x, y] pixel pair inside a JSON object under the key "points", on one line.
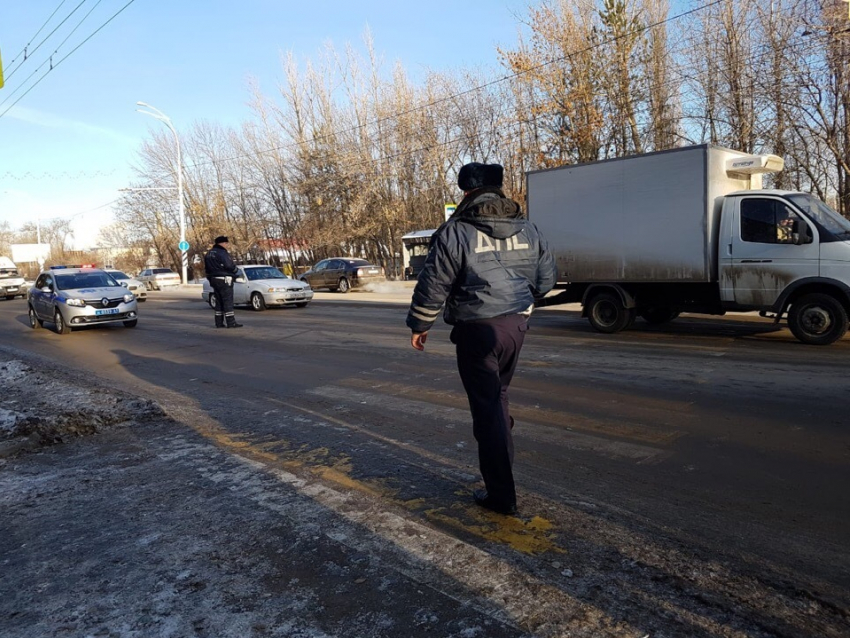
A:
{"points": [[645, 218]]}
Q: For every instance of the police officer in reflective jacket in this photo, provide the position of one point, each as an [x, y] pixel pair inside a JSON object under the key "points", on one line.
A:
{"points": [[221, 272], [485, 267]]}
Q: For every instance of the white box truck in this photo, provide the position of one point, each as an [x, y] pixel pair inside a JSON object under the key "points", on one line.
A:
{"points": [[691, 229]]}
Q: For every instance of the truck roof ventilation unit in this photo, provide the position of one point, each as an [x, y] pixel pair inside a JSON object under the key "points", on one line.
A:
{"points": [[754, 165]]}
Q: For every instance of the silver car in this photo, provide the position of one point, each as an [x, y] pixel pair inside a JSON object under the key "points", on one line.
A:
{"points": [[261, 286], [71, 297], [158, 278], [133, 285]]}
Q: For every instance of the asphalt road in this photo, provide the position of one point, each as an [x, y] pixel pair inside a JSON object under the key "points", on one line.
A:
{"points": [[690, 479]]}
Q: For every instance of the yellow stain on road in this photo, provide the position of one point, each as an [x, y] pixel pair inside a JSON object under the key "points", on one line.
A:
{"points": [[534, 536], [528, 537]]}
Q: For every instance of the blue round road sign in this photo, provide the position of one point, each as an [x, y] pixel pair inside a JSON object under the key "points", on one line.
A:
{"points": [[183, 245]]}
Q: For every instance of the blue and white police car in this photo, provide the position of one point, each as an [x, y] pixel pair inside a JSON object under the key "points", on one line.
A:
{"points": [[73, 296]]}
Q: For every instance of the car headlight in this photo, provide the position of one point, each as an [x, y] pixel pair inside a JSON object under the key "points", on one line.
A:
{"points": [[275, 290], [128, 297], [75, 302]]}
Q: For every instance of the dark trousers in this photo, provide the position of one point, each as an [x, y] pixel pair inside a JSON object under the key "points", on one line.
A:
{"points": [[487, 354], [223, 301]]}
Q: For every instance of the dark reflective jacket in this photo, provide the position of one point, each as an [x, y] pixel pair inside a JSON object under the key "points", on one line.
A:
{"points": [[486, 261], [218, 263]]}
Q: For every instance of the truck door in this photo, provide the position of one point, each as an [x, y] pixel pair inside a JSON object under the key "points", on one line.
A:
{"points": [[770, 247]]}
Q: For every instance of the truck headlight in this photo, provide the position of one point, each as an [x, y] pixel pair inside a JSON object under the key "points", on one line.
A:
{"points": [[75, 302]]}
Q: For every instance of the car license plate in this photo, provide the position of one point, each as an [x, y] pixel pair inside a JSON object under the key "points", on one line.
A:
{"points": [[12, 289], [108, 311], [374, 271]]}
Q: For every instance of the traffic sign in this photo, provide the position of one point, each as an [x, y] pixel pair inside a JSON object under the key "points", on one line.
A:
{"points": [[183, 245]]}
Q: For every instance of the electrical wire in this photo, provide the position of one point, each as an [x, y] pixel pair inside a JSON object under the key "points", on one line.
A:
{"points": [[50, 59], [53, 66], [24, 50], [27, 57]]}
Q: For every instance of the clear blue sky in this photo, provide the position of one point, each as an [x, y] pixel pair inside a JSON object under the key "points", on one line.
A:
{"points": [[67, 146]]}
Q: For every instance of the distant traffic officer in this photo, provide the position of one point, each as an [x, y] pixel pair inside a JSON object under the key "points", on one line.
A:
{"points": [[221, 273], [487, 264]]}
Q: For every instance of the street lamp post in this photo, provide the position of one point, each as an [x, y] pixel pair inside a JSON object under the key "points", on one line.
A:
{"points": [[162, 117]]}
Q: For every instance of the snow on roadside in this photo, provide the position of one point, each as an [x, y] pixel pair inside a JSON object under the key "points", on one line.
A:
{"points": [[47, 406]]}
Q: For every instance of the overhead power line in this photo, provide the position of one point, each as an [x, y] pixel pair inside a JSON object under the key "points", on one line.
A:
{"points": [[27, 54], [60, 61], [24, 50]]}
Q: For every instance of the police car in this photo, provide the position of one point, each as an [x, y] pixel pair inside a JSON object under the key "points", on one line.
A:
{"points": [[73, 296]]}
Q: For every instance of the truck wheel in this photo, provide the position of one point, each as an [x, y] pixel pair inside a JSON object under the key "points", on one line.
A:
{"points": [[817, 319], [607, 314], [657, 315]]}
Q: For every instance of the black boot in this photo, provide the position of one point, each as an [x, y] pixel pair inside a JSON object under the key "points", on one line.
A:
{"points": [[483, 499], [234, 325]]}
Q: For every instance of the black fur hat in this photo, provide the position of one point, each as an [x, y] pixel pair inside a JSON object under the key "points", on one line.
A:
{"points": [[221, 239], [474, 175]]}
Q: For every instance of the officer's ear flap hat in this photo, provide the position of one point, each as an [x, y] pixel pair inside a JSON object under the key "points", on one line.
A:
{"points": [[474, 175], [221, 239]]}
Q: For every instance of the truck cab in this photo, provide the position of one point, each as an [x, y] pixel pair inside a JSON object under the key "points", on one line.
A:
{"points": [[786, 251]]}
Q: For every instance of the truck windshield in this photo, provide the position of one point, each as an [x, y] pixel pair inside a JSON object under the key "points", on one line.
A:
{"points": [[822, 214]]}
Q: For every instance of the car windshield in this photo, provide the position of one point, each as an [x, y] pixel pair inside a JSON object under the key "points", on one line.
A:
{"points": [[267, 272], [117, 274], [84, 280], [822, 214]]}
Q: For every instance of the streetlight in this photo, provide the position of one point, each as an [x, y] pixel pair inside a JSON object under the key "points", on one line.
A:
{"points": [[184, 246]]}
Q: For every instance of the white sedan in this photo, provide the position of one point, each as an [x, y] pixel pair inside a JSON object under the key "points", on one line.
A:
{"points": [[261, 286], [133, 285]]}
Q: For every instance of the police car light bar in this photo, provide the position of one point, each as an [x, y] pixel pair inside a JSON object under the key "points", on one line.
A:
{"points": [[73, 266]]}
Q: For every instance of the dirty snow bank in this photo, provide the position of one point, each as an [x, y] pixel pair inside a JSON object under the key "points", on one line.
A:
{"points": [[47, 406]]}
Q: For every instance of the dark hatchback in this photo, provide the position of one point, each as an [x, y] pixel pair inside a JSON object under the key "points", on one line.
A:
{"points": [[343, 274]]}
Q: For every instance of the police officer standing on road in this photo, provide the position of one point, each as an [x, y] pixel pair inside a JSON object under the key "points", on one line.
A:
{"points": [[487, 264], [221, 272]]}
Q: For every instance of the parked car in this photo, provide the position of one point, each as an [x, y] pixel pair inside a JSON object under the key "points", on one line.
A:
{"points": [[343, 274], [261, 286], [133, 285], [71, 297], [158, 278]]}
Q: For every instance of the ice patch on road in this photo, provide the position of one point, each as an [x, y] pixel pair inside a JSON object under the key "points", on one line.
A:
{"points": [[13, 370]]}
